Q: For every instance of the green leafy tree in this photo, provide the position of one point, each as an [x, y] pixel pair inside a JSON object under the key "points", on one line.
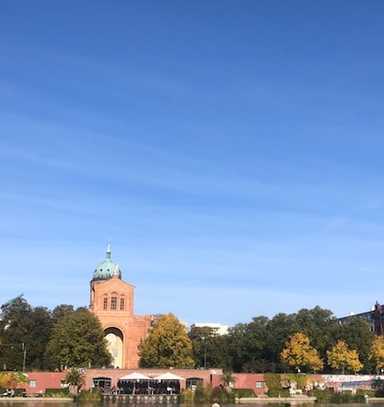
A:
{"points": [[61, 311], [257, 346], [24, 333], [209, 348], [319, 325], [228, 379], [167, 345], [77, 340], [358, 335], [75, 379], [279, 329], [38, 337], [247, 347]]}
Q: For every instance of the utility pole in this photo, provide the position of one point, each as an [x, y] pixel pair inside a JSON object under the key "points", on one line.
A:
{"points": [[24, 348], [205, 351]]}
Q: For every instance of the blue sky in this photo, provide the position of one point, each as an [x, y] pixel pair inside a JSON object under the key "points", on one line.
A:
{"points": [[232, 152]]}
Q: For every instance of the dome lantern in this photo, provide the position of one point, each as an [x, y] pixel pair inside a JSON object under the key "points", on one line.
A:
{"points": [[107, 268]]}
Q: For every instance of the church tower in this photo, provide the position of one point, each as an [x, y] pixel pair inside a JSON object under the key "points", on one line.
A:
{"points": [[112, 301]]}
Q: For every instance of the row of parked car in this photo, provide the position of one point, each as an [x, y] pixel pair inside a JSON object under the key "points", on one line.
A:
{"points": [[13, 393]]}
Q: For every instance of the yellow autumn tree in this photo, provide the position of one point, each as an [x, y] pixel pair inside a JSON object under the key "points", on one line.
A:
{"points": [[10, 380], [377, 352], [343, 358], [299, 353], [167, 345]]}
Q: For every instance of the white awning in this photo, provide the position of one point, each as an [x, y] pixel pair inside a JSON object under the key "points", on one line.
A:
{"points": [[135, 376], [168, 376]]}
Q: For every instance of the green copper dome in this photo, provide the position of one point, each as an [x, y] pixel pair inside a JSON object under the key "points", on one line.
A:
{"points": [[107, 268]]}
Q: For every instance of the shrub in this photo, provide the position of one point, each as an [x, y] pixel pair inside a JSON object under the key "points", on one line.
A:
{"points": [[187, 396], [239, 393], [362, 392], [20, 392], [273, 382], [89, 395], [64, 392], [221, 395], [301, 380], [279, 393], [202, 394], [378, 387], [329, 396], [322, 396], [346, 397]]}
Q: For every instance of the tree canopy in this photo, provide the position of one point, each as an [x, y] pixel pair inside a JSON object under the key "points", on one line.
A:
{"points": [[24, 331], [77, 340], [298, 353], [167, 345], [377, 353], [207, 347], [343, 358], [255, 346], [10, 380], [74, 378]]}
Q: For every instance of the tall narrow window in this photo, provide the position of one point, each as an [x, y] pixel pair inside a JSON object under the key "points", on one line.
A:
{"points": [[122, 304], [113, 303], [105, 303]]}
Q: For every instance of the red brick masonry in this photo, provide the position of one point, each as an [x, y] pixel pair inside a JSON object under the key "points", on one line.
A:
{"points": [[40, 381]]}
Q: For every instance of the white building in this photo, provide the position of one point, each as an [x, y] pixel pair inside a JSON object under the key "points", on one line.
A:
{"points": [[220, 329]]}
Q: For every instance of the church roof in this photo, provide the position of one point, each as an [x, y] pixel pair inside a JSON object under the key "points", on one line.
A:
{"points": [[107, 268]]}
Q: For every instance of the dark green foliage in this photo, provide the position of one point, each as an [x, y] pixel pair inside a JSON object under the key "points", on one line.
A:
{"points": [[358, 336], [89, 395], [14, 327], [204, 395], [248, 347], [40, 330], [25, 327], [328, 396], [369, 393], [239, 393], [201, 394], [378, 387], [54, 392], [208, 347], [61, 311], [186, 397], [77, 340], [273, 382], [20, 393], [222, 396], [256, 346]]}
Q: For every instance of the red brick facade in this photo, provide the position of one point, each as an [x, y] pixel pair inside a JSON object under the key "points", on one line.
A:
{"points": [[112, 301], [115, 374], [40, 381]]}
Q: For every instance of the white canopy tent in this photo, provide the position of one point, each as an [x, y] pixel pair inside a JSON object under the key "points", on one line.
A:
{"points": [[168, 376], [135, 376]]}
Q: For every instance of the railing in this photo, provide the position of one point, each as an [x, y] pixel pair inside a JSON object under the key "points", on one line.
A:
{"points": [[143, 398]]}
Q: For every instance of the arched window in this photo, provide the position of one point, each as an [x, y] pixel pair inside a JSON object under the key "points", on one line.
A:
{"points": [[113, 302], [105, 303], [122, 303]]}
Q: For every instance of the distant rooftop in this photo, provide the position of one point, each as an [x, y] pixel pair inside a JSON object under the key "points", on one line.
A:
{"points": [[220, 328]]}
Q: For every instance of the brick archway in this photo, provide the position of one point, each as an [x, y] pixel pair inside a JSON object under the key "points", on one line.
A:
{"points": [[115, 340]]}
